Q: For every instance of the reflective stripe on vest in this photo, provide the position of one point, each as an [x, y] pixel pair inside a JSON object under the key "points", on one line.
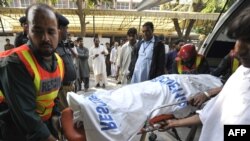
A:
{"points": [[181, 67], [235, 64], [47, 84]]}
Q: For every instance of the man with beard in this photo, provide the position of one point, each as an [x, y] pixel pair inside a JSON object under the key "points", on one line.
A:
{"points": [[148, 57], [22, 37], [65, 50], [232, 105], [82, 64], [31, 77], [97, 54], [125, 57]]}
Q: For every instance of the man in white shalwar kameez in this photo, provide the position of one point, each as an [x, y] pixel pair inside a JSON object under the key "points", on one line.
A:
{"points": [[97, 54], [125, 56], [232, 104], [113, 55]]}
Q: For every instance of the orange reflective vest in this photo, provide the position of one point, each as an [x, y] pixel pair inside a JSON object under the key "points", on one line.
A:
{"points": [[182, 68], [47, 84]]}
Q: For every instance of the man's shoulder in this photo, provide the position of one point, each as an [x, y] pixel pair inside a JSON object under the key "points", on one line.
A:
{"points": [[12, 58], [19, 34]]}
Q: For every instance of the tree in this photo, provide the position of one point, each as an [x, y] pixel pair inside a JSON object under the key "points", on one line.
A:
{"points": [[214, 6], [183, 28], [4, 3], [82, 14]]}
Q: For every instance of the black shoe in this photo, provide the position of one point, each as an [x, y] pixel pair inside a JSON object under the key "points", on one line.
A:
{"points": [[103, 86], [119, 82], [97, 85]]}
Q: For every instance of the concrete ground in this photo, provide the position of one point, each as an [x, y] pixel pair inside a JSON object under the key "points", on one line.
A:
{"points": [[161, 136]]}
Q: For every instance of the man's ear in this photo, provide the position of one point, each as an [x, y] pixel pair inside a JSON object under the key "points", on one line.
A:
{"points": [[28, 31], [59, 36]]}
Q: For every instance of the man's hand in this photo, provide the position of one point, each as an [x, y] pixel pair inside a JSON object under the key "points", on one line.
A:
{"points": [[198, 100]]}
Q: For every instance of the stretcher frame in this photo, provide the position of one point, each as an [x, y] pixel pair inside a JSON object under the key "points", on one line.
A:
{"points": [[66, 120]]}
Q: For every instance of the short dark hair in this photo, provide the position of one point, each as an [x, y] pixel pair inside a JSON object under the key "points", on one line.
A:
{"points": [[7, 39], [62, 20], [162, 37], [176, 42], [132, 31], [23, 20], [79, 39], [149, 24], [240, 27], [95, 38], [40, 8]]}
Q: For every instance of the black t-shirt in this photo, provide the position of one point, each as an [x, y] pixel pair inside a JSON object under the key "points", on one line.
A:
{"points": [[21, 39]]}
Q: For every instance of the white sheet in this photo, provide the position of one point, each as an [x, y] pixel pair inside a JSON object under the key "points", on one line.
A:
{"points": [[119, 114]]}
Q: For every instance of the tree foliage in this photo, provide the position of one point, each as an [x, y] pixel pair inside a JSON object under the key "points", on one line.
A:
{"points": [[183, 28], [213, 6], [4, 3]]}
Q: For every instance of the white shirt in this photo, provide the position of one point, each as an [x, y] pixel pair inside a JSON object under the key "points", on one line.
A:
{"points": [[113, 54], [143, 63], [98, 63], [231, 106]]}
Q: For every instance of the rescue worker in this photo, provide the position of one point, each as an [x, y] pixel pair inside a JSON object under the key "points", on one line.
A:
{"points": [[227, 66], [189, 62], [65, 50], [31, 77], [22, 37]]}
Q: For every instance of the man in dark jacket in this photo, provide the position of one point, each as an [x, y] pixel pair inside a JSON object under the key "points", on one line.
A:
{"points": [[64, 49], [148, 58], [22, 37], [82, 64], [227, 66], [170, 56]]}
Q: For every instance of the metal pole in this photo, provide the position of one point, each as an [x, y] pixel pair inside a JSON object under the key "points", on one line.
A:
{"points": [[139, 26], [94, 25], [2, 24]]}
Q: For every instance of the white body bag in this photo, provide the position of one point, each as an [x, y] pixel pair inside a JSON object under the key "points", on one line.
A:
{"points": [[118, 115]]}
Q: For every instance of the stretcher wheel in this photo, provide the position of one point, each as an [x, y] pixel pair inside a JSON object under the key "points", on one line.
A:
{"points": [[152, 137], [70, 132]]}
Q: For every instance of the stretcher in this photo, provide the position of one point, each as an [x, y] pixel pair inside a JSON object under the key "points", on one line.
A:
{"points": [[72, 133], [156, 123], [120, 114]]}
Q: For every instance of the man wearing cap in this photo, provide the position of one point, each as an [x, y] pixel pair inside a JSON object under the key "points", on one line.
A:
{"points": [[22, 37], [64, 49]]}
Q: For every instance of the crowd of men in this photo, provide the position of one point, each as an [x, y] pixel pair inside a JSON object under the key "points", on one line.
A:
{"points": [[43, 65]]}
